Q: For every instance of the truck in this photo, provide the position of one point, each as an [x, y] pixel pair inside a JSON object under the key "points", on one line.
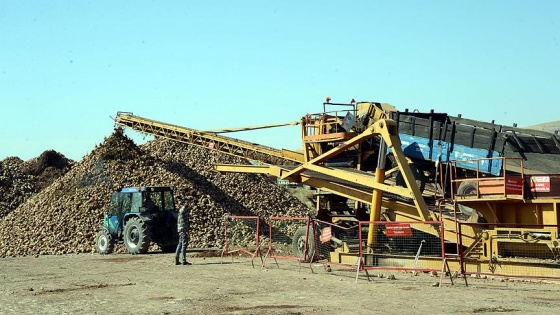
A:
{"points": [[138, 217]]}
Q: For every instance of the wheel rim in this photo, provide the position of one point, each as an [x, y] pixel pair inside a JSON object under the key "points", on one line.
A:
{"points": [[134, 237], [102, 243], [301, 244]]}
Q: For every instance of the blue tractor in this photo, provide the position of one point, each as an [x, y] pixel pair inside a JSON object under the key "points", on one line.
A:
{"points": [[137, 217]]}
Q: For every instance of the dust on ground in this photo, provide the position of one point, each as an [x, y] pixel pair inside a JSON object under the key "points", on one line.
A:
{"points": [[153, 284]]}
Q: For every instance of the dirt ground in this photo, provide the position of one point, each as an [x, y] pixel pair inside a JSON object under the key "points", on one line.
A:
{"points": [[151, 284]]}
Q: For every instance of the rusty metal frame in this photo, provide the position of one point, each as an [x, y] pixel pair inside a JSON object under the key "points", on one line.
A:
{"points": [[257, 252]]}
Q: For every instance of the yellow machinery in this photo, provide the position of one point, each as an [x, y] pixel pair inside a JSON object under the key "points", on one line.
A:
{"points": [[344, 154], [209, 140]]}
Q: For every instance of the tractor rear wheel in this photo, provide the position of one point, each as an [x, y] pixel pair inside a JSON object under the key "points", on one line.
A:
{"points": [[104, 243], [137, 236]]}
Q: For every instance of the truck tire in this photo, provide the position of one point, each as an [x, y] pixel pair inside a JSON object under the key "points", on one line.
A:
{"points": [[298, 244], [137, 236], [466, 188], [418, 177], [104, 243]]}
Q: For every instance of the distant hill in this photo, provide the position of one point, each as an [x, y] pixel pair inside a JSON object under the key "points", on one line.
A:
{"points": [[548, 127]]}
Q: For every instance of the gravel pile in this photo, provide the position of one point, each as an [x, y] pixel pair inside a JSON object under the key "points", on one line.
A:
{"points": [[64, 217]]}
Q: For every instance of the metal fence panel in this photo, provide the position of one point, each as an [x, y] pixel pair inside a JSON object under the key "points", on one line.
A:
{"points": [[241, 235], [415, 246], [288, 238]]}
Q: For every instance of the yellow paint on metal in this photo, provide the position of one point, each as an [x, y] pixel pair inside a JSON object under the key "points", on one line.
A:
{"points": [[375, 214]]}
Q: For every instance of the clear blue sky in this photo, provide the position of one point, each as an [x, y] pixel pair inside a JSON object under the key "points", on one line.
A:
{"points": [[66, 67]]}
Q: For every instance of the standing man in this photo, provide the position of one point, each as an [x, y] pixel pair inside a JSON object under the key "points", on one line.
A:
{"points": [[183, 230]]}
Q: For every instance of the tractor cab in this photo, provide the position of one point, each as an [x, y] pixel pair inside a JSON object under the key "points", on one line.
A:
{"points": [[138, 216]]}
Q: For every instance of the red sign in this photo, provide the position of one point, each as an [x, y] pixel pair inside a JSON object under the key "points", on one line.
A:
{"points": [[540, 183], [396, 229], [326, 234], [514, 185]]}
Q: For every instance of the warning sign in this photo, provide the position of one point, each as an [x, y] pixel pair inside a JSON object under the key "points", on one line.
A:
{"points": [[540, 183], [514, 185], [348, 122], [326, 234], [398, 230]]}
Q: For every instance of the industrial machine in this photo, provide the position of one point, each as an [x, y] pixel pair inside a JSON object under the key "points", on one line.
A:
{"points": [[429, 139], [489, 185], [137, 217]]}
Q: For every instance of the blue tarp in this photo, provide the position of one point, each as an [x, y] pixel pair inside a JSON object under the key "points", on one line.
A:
{"points": [[419, 148]]}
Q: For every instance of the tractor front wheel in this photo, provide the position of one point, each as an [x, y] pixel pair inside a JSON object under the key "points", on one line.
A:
{"points": [[104, 243], [137, 236]]}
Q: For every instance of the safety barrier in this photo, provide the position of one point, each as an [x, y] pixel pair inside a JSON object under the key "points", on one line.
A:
{"points": [[405, 246], [334, 244], [242, 236], [288, 239], [480, 249], [509, 250]]}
